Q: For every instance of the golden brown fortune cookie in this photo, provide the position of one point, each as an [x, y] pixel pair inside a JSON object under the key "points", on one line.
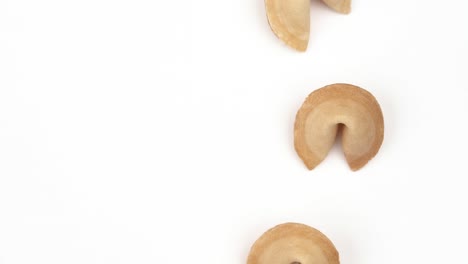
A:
{"points": [[293, 243], [290, 19], [335, 107]]}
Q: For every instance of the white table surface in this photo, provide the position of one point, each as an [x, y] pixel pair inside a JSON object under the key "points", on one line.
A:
{"points": [[162, 131]]}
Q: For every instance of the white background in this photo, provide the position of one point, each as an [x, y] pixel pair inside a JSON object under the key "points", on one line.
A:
{"points": [[162, 131]]}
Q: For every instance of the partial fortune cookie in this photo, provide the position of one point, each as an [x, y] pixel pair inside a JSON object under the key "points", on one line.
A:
{"points": [[290, 19], [336, 107], [293, 243]]}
